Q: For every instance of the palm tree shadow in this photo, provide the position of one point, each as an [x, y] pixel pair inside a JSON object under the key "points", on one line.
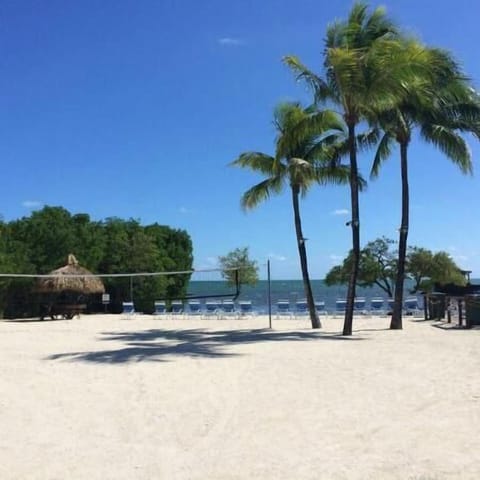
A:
{"points": [[360, 330], [159, 345], [449, 326]]}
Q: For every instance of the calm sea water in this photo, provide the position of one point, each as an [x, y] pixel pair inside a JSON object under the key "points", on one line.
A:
{"points": [[291, 290]]}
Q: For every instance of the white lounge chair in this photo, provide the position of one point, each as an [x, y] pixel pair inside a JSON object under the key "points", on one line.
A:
{"points": [[320, 307], [360, 306], [227, 309], [377, 306], [283, 308], [160, 308], [177, 307], [128, 309], [246, 308], [301, 308], [194, 307], [340, 307], [412, 307], [212, 308]]}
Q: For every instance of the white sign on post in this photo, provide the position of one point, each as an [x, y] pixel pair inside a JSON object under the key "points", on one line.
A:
{"points": [[106, 298]]}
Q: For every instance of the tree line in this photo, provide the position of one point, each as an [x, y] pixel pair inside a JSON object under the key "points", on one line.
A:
{"points": [[378, 266], [376, 86], [41, 243]]}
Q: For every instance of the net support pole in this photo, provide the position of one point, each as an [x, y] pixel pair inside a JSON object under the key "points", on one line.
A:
{"points": [[269, 295], [131, 289]]}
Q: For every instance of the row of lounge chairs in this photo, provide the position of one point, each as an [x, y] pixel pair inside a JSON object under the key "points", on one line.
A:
{"points": [[378, 306], [213, 308], [229, 308]]}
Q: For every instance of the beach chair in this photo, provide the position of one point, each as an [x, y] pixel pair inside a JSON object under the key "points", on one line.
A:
{"points": [[177, 307], [377, 306], [320, 307], [212, 308], [227, 309], [359, 306], [245, 307], [283, 308], [412, 307], [194, 307], [390, 302], [128, 309], [340, 307], [160, 308], [301, 308]]}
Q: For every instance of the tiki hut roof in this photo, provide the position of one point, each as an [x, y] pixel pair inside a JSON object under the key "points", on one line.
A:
{"points": [[70, 278]]}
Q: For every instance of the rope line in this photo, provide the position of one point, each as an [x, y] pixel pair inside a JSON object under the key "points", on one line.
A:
{"points": [[104, 275]]}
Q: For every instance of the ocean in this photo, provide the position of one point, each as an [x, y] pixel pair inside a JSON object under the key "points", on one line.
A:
{"points": [[291, 290]]}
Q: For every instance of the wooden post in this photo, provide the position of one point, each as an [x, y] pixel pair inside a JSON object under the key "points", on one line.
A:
{"points": [[269, 295], [460, 320]]}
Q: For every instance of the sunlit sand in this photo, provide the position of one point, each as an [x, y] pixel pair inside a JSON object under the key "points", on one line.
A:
{"points": [[104, 397]]}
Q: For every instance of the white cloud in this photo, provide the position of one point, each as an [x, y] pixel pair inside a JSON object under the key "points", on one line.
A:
{"points": [[277, 257], [206, 264], [32, 204], [231, 42], [335, 259], [341, 211], [184, 210], [212, 261]]}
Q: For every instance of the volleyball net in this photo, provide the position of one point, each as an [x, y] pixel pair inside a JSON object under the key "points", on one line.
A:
{"points": [[22, 292]]}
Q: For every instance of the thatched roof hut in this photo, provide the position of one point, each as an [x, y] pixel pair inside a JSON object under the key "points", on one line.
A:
{"points": [[70, 278]]}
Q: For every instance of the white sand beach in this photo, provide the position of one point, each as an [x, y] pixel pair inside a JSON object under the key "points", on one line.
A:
{"points": [[104, 397]]}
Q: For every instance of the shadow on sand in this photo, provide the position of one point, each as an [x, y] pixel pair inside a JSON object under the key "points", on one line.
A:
{"points": [[161, 345], [32, 320], [451, 326]]}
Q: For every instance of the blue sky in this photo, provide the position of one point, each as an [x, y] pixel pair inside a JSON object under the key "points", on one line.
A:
{"points": [[135, 108]]}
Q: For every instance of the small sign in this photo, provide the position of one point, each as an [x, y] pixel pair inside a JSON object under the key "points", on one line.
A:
{"points": [[106, 298]]}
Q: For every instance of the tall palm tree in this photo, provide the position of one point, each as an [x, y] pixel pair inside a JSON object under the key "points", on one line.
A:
{"points": [[440, 103], [365, 68], [304, 156]]}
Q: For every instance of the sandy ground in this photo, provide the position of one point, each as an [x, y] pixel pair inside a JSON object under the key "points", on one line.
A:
{"points": [[104, 397]]}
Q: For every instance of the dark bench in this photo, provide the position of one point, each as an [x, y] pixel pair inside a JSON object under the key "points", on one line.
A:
{"points": [[58, 311]]}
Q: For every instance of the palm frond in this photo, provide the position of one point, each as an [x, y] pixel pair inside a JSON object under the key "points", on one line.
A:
{"points": [[315, 83], [261, 192], [450, 143], [367, 139], [338, 174], [382, 153], [256, 161]]}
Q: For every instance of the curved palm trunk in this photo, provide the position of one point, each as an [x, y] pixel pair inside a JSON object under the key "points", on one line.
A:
{"points": [[396, 322], [355, 224], [302, 251]]}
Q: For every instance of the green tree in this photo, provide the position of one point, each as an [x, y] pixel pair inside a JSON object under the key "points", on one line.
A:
{"points": [[365, 68], [377, 266], [175, 249], [238, 268], [440, 102], [303, 157], [132, 248], [89, 241], [41, 243], [426, 268], [48, 236]]}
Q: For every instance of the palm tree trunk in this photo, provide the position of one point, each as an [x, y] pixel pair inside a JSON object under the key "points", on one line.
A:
{"points": [[396, 322], [355, 224], [302, 251]]}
